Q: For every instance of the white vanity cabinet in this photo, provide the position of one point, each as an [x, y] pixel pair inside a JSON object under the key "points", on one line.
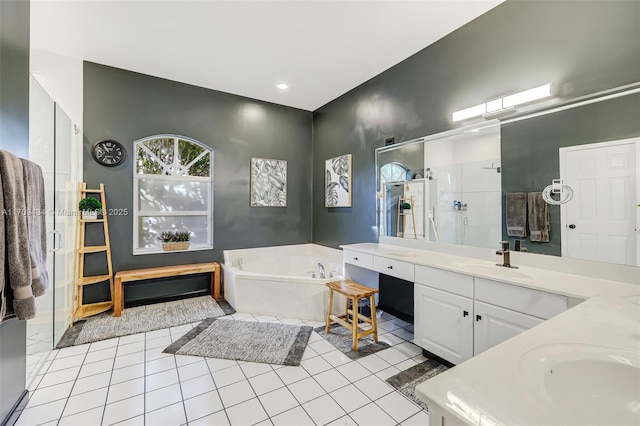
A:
{"points": [[458, 316], [502, 311], [362, 260], [393, 267], [443, 313], [493, 325], [443, 323]]}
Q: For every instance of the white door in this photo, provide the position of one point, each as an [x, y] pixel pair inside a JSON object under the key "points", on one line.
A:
{"points": [[600, 222], [443, 323], [494, 325]]}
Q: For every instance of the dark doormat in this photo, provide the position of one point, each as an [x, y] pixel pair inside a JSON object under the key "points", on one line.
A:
{"points": [[407, 380]]}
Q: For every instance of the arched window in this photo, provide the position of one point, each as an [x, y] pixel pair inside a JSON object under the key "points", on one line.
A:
{"points": [[394, 172], [172, 191]]}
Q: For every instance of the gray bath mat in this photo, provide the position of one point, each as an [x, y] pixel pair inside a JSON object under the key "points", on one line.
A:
{"points": [[133, 321], [341, 338], [407, 380], [264, 342]]}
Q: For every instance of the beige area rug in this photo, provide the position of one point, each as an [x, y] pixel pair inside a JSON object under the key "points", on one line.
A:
{"points": [[270, 343], [133, 321]]}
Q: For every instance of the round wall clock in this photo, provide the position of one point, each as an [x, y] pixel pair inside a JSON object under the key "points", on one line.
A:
{"points": [[108, 152]]}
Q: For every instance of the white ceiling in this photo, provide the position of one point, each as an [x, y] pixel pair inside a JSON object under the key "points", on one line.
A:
{"points": [[321, 49]]}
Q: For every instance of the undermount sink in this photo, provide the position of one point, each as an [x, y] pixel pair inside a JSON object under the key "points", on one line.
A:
{"points": [[586, 384], [493, 270]]}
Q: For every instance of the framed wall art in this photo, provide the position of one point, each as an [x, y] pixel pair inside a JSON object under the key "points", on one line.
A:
{"points": [[338, 181], [268, 183]]}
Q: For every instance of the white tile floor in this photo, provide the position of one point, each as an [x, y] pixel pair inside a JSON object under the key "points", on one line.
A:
{"points": [[129, 381]]}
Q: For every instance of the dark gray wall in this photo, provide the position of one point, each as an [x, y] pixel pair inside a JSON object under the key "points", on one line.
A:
{"points": [[14, 77], [14, 137], [529, 150], [127, 106], [581, 47]]}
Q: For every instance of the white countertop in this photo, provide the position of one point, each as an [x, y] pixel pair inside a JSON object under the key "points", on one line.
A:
{"points": [[570, 285], [496, 386]]}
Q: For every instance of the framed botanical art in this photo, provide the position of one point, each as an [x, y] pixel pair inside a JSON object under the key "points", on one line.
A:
{"points": [[268, 183], [338, 181]]}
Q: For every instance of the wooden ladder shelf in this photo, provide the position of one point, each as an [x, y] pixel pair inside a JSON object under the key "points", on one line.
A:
{"points": [[79, 308], [404, 214]]}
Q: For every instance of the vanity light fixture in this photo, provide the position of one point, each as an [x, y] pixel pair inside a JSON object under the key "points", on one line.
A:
{"points": [[503, 106], [473, 111], [283, 86], [527, 96]]}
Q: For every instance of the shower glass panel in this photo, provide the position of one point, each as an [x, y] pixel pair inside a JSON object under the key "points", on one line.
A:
{"points": [[41, 148], [66, 187], [51, 141]]}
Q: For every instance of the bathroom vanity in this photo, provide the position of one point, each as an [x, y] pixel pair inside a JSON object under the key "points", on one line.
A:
{"points": [[552, 342]]}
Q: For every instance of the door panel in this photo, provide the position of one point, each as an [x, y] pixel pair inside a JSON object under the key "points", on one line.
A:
{"points": [[66, 184], [494, 325], [603, 210], [443, 323]]}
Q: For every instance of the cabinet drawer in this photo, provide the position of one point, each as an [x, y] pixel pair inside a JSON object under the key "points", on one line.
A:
{"points": [[395, 268], [445, 280], [528, 301], [356, 258]]}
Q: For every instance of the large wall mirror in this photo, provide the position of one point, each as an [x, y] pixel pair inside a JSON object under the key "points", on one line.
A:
{"points": [[457, 183]]}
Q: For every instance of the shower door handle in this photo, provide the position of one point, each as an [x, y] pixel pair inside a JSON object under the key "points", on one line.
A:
{"points": [[57, 240]]}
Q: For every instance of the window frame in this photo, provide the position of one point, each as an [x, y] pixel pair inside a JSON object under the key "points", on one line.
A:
{"points": [[137, 177], [395, 166]]}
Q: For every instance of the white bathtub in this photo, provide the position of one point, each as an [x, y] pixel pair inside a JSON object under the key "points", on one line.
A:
{"points": [[277, 280]]}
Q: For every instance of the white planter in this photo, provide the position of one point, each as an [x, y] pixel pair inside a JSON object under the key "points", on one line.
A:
{"points": [[90, 215]]}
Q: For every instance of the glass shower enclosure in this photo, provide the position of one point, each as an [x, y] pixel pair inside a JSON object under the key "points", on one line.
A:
{"points": [[54, 145]]}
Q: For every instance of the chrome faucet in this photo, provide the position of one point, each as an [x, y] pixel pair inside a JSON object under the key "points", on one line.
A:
{"points": [[506, 255], [321, 267]]}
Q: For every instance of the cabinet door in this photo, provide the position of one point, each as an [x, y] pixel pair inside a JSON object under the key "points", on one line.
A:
{"points": [[443, 323], [494, 325]]}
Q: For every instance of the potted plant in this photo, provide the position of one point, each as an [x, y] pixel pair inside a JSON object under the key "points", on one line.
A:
{"points": [[405, 206], [176, 240], [90, 207]]}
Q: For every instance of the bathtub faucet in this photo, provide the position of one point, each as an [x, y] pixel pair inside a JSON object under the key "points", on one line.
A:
{"points": [[321, 267]]}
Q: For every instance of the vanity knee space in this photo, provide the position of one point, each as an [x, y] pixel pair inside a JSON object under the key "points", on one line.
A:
{"points": [[458, 316]]}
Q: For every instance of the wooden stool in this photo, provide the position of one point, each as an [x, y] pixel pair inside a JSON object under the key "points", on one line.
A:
{"points": [[354, 292]]}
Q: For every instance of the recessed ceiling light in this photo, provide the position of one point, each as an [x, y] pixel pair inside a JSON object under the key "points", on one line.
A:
{"points": [[283, 86]]}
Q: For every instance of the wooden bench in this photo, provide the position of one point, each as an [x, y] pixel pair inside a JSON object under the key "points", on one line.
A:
{"points": [[163, 272]]}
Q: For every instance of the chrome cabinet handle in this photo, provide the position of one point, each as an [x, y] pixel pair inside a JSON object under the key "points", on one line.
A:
{"points": [[465, 314], [355, 258], [389, 267], [478, 317]]}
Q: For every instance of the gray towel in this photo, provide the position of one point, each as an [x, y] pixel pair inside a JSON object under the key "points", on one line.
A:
{"points": [[539, 225], [36, 223], [16, 235], [517, 214]]}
